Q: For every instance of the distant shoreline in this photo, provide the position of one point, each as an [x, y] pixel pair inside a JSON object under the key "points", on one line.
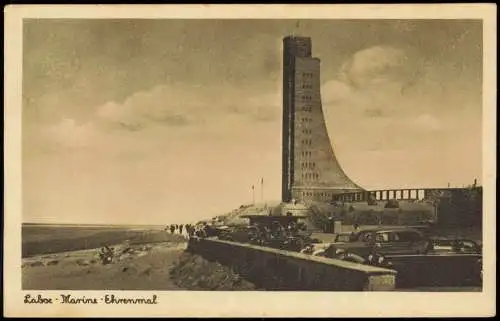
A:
{"points": [[45, 239], [24, 224]]}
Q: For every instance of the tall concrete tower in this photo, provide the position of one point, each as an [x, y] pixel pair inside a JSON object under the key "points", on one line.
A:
{"points": [[311, 171]]}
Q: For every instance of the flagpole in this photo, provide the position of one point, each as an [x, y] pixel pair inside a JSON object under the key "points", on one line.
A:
{"points": [[262, 190], [253, 195]]}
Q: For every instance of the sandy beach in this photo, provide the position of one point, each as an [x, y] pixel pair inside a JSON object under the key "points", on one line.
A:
{"points": [[142, 267]]}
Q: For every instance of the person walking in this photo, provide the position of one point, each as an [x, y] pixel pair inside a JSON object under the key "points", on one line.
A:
{"points": [[355, 228]]}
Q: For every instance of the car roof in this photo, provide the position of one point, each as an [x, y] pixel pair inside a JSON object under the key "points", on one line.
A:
{"points": [[389, 229], [444, 238]]}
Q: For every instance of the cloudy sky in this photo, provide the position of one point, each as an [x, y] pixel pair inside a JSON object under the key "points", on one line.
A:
{"points": [[163, 121]]}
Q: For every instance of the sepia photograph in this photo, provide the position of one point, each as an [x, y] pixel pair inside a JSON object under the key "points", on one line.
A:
{"points": [[253, 155]]}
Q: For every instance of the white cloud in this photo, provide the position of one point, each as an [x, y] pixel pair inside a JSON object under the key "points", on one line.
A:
{"points": [[334, 91], [372, 82], [181, 105], [377, 65], [68, 134], [428, 122]]}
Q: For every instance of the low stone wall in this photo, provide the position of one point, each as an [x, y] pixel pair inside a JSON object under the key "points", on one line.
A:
{"points": [[275, 269], [442, 270]]}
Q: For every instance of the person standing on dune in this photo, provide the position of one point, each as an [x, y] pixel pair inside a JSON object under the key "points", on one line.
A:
{"points": [[172, 229]]}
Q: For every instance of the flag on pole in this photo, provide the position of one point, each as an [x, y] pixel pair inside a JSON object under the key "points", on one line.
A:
{"points": [[262, 189]]}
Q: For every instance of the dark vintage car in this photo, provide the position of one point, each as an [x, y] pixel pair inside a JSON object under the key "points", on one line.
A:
{"points": [[224, 233], [369, 244], [444, 245], [343, 237], [454, 245], [241, 234]]}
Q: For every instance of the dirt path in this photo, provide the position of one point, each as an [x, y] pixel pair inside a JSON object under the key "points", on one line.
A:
{"points": [[146, 269]]}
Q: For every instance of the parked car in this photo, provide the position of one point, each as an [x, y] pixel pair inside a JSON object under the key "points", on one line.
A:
{"points": [[243, 234], [315, 249], [343, 237], [454, 245], [444, 245], [372, 245], [224, 233]]}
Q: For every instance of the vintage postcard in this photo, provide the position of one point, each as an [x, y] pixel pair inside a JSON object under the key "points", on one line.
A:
{"points": [[244, 160]]}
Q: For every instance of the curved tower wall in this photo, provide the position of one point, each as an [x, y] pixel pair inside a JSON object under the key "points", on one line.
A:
{"points": [[311, 171]]}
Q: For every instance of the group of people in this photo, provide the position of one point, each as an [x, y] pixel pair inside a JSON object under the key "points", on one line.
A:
{"points": [[106, 254], [182, 229], [189, 230]]}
